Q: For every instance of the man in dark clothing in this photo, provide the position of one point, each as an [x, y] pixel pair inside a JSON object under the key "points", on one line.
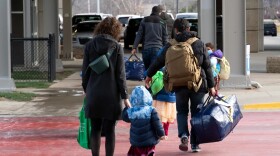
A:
{"points": [[183, 94], [153, 31], [168, 20]]}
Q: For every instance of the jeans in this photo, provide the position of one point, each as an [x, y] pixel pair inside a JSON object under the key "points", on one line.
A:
{"points": [[183, 95], [149, 55]]}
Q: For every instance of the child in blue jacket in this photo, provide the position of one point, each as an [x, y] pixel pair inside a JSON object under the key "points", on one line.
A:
{"points": [[146, 129], [164, 102]]}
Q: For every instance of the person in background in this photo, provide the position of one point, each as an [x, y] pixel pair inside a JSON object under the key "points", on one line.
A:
{"points": [[164, 102], [153, 31], [215, 65], [106, 91], [168, 20], [146, 130], [183, 94]]}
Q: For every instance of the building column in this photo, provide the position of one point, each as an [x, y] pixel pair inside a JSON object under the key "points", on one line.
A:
{"points": [[207, 21], [67, 30], [254, 19], [6, 82], [48, 20], [234, 43]]}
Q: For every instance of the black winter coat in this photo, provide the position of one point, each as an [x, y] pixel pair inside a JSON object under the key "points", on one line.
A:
{"points": [[169, 24], [201, 54], [104, 92]]}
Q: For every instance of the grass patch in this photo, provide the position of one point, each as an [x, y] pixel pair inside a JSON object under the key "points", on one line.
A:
{"points": [[64, 74], [33, 84], [29, 75], [18, 96]]}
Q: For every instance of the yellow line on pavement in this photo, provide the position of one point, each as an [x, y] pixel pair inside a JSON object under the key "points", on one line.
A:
{"points": [[273, 105]]}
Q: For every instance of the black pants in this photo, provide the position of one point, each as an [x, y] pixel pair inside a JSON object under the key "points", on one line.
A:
{"points": [[108, 127]]}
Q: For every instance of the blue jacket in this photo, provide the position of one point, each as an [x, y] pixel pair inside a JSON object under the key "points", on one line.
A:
{"points": [[162, 95], [146, 127]]}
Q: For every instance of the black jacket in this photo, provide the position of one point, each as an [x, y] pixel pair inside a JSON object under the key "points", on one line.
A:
{"points": [[201, 54], [153, 31], [169, 24], [105, 91]]}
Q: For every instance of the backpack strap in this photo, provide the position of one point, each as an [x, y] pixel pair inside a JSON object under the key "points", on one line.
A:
{"points": [[191, 40]]}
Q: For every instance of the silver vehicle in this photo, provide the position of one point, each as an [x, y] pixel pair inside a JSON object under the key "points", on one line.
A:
{"points": [[83, 33]]}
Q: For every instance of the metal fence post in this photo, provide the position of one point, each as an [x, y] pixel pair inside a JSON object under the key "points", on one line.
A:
{"points": [[51, 58]]}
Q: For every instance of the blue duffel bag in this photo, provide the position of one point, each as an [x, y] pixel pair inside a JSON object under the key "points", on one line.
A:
{"points": [[134, 68], [216, 119]]}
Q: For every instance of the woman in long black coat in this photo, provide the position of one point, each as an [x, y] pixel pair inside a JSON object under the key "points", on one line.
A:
{"points": [[105, 91]]}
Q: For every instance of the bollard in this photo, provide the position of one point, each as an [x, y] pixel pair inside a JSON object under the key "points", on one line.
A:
{"points": [[247, 60]]}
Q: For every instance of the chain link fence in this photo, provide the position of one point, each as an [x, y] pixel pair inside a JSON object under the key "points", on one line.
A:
{"points": [[33, 59]]}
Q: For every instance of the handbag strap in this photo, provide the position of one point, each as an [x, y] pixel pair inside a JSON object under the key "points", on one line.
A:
{"points": [[217, 97], [134, 56]]}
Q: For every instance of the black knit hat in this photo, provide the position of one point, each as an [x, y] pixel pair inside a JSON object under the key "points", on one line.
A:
{"points": [[181, 24]]}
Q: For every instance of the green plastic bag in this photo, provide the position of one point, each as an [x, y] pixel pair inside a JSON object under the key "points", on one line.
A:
{"points": [[84, 131], [157, 82]]}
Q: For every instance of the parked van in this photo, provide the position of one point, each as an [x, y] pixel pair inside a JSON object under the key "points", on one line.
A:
{"points": [[270, 27]]}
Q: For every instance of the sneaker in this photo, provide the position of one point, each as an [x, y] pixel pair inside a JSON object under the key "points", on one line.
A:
{"points": [[195, 148], [184, 143]]}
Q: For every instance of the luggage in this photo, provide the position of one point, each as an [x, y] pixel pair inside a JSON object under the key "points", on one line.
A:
{"points": [[134, 68], [216, 119]]}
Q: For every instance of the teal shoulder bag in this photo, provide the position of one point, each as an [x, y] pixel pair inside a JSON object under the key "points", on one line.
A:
{"points": [[101, 64]]}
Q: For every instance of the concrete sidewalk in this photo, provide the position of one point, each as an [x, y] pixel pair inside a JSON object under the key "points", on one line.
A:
{"points": [[64, 98], [265, 97]]}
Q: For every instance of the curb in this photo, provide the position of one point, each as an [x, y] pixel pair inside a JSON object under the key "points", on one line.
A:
{"points": [[262, 106]]}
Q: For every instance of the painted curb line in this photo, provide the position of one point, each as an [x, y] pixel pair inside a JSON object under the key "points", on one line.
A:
{"points": [[262, 106]]}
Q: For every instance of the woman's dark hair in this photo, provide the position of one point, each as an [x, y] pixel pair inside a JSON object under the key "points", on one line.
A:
{"points": [[110, 26], [181, 24]]}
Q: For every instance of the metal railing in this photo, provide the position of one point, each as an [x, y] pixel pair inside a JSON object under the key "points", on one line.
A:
{"points": [[33, 59]]}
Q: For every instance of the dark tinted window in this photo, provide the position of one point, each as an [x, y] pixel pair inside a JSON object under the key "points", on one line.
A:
{"points": [[135, 22], [79, 18], [123, 20], [17, 5], [86, 27], [269, 25]]}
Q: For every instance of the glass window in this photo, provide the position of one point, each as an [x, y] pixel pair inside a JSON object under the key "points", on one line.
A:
{"points": [[17, 5]]}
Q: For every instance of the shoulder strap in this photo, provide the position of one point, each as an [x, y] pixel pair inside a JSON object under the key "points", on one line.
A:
{"points": [[191, 40], [173, 42], [110, 52]]}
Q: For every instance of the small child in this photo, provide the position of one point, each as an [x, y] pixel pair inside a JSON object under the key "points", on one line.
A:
{"points": [[146, 129], [215, 65], [164, 102]]}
